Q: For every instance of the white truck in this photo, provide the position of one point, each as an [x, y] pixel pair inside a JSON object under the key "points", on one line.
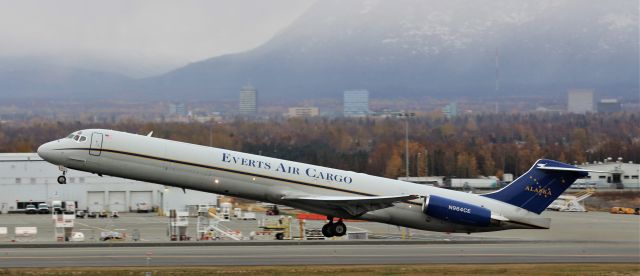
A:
{"points": [[56, 206], [142, 207], [31, 209], [43, 208]]}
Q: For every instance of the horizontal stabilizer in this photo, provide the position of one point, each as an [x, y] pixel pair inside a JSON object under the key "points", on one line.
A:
{"points": [[567, 169]]}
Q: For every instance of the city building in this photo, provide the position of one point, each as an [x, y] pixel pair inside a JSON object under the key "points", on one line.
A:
{"points": [[388, 113], [610, 174], [178, 109], [27, 179], [302, 112], [356, 103], [248, 100], [609, 106], [450, 110], [580, 101]]}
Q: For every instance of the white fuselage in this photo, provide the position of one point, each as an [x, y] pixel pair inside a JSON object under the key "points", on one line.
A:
{"points": [[261, 178]]}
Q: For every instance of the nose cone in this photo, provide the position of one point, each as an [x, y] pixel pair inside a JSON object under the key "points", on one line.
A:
{"points": [[45, 151]]}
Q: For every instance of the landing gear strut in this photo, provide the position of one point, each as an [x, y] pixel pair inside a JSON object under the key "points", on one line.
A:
{"points": [[62, 179], [331, 229]]}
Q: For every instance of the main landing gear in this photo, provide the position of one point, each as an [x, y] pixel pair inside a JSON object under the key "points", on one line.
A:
{"points": [[331, 229], [62, 179]]}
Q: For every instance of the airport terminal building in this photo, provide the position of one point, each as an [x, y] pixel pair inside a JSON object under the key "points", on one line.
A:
{"points": [[25, 178]]}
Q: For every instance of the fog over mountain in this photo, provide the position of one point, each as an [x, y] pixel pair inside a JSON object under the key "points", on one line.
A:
{"points": [[411, 48]]}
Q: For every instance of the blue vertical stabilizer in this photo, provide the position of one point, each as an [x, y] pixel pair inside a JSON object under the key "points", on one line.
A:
{"points": [[541, 185]]}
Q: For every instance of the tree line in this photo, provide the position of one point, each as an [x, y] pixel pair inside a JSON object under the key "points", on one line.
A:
{"points": [[466, 146]]}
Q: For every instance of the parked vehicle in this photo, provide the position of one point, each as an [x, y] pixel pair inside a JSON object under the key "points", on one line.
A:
{"points": [[248, 216], [31, 209], [92, 215], [43, 208], [56, 206], [624, 210], [142, 207], [80, 214]]}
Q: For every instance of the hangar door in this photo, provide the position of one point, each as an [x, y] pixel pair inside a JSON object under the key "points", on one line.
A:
{"points": [[95, 201], [117, 201], [139, 197]]}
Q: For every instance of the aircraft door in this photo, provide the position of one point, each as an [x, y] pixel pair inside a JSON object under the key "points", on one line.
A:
{"points": [[96, 144]]}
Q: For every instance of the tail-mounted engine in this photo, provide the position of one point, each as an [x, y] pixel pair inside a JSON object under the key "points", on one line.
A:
{"points": [[456, 211]]}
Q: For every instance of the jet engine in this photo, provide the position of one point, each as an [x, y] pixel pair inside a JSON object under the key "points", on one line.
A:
{"points": [[456, 211]]}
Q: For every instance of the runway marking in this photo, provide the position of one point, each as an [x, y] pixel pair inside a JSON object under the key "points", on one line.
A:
{"points": [[215, 250], [225, 249], [95, 227]]}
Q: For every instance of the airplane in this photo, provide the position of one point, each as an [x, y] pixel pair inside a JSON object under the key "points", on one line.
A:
{"points": [[337, 194]]}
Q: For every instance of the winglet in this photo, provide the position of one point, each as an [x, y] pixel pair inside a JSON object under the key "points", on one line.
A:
{"points": [[150, 133]]}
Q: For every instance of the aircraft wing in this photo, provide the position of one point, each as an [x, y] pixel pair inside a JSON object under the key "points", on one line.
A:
{"points": [[354, 205]]}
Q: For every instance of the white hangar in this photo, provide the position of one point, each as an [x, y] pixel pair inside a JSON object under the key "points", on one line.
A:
{"points": [[26, 179], [611, 174]]}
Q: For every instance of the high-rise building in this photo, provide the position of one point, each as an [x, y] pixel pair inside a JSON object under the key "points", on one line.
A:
{"points": [[248, 100], [178, 109], [450, 110], [580, 101], [356, 103]]}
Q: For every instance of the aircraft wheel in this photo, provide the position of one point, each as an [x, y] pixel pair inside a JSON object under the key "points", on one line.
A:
{"points": [[326, 230], [339, 229], [62, 179]]}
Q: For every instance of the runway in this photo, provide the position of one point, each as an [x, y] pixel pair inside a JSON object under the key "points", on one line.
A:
{"points": [[318, 254], [592, 237]]}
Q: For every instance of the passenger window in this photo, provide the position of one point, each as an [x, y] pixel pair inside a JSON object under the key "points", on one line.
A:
{"points": [[82, 139]]}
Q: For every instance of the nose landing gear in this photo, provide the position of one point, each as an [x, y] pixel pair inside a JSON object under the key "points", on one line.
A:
{"points": [[331, 229], [62, 179]]}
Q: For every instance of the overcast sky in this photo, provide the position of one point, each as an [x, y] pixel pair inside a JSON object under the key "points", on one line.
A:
{"points": [[139, 37]]}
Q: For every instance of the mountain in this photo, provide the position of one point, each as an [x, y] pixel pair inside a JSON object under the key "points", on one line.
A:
{"points": [[399, 48], [34, 78], [430, 48]]}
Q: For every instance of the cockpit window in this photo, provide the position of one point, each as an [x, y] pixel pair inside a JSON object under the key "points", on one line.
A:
{"points": [[77, 137]]}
